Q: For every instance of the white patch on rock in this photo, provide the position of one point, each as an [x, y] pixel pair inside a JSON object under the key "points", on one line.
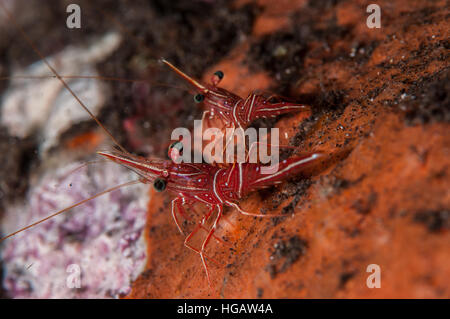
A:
{"points": [[44, 105]]}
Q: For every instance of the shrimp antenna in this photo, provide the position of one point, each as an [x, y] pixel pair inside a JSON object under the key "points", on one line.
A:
{"points": [[89, 77], [35, 49], [70, 207]]}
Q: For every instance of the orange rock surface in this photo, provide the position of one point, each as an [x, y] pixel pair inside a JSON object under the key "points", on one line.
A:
{"points": [[383, 198]]}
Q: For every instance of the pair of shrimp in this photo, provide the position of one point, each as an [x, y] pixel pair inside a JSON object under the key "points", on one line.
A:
{"points": [[211, 185]]}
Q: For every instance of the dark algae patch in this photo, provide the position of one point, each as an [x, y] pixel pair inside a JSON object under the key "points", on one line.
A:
{"points": [[285, 253], [259, 292], [282, 53], [297, 188], [300, 189], [364, 206], [345, 277], [435, 220], [16, 167], [428, 99]]}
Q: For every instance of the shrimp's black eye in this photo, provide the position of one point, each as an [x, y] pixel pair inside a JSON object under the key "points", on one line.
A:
{"points": [[160, 184], [176, 145], [199, 98], [219, 74]]}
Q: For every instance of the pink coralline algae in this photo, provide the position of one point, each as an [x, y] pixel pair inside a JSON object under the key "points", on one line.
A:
{"points": [[92, 251]]}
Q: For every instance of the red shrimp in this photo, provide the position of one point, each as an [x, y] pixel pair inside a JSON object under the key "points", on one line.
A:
{"points": [[213, 186], [233, 110]]}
